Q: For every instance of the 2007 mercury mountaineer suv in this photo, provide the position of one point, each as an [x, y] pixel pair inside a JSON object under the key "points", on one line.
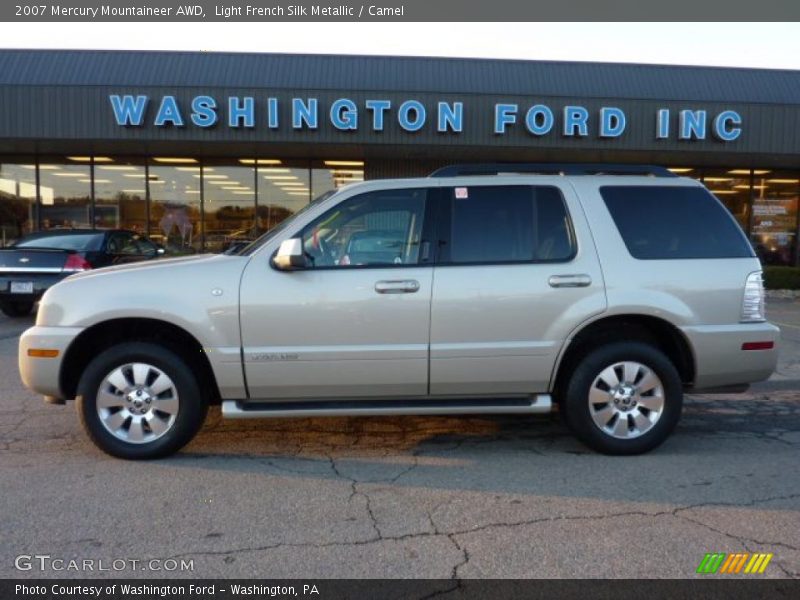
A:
{"points": [[607, 291]]}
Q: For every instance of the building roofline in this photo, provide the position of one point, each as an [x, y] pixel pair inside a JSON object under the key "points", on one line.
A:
{"points": [[401, 74], [402, 58]]}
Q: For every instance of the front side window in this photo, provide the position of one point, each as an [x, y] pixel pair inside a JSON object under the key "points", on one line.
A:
{"points": [[507, 224], [122, 243], [145, 246], [381, 228]]}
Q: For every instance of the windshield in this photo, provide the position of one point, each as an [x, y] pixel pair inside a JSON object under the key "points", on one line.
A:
{"points": [[82, 242], [256, 244]]}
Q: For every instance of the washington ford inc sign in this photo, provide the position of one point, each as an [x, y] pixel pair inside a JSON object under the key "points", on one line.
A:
{"points": [[412, 115]]}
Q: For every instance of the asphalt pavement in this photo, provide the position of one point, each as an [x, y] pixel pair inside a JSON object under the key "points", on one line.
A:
{"points": [[411, 497]]}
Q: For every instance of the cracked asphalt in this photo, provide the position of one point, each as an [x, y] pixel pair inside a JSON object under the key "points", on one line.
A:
{"points": [[410, 497]]}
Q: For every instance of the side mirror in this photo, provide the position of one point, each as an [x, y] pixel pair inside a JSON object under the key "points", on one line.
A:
{"points": [[290, 256]]}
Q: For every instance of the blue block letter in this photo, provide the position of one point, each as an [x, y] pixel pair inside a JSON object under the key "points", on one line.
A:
{"points": [[612, 122], [344, 114], [692, 124], [662, 124], [128, 110], [246, 111], [272, 113], [204, 113], [727, 125], [304, 113], [576, 118], [168, 112], [539, 119], [450, 116], [504, 114], [378, 107], [404, 115]]}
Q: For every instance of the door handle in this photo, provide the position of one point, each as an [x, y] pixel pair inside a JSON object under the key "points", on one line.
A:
{"points": [[578, 280], [404, 286]]}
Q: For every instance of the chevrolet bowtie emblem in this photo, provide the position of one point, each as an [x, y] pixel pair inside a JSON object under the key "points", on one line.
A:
{"points": [[24, 260]]}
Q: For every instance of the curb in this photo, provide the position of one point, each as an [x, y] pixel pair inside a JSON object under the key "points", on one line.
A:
{"points": [[783, 294]]}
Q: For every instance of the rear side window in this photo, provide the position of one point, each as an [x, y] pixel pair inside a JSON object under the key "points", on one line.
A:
{"points": [[668, 222], [82, 242], [507, 224]]}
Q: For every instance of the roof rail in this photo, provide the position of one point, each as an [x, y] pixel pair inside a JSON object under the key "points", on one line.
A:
{"points": [[552, 169]]}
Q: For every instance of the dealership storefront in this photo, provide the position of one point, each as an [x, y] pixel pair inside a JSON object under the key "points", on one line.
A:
{"points": [[200, 150]]}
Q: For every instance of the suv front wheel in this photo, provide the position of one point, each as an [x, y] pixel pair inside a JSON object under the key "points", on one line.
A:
{"points": [[139, 400], [623, 398]]}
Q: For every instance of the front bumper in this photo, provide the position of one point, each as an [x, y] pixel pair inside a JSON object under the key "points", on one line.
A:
{"points": [[720, 360], [43, 374]]}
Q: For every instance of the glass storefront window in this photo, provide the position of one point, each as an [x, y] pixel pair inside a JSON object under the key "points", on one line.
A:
{"points": [[229, 198], [283, 189], [192, 207], [243, 198], [332, 174], [686, 172], [775, 197], [732, 187], [65, 193], [120, 195], [17, 200], [175, 208]]}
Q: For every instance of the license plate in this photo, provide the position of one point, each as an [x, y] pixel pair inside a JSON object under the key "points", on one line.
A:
{"points": [[21, 287]]}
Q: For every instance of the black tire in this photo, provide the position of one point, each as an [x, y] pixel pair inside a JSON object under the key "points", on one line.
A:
{"points": [[16, 308], [192, 403], [575, 400]]}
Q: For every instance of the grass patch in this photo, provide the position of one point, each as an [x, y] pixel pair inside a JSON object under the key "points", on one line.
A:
{"points": [[782, 278]]}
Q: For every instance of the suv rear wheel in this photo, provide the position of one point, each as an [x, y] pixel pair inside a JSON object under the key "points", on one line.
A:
{"points": [[623, 398], [140, 400]]}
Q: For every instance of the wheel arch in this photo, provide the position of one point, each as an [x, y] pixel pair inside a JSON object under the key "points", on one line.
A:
{"points": [[109, 333], [626, 327]]}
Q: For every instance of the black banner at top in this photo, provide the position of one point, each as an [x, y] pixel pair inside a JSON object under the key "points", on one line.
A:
{"points": [[261, 11]]}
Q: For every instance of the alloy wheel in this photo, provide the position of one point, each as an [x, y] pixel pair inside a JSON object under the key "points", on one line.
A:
{"points": [[626, 399], [137, 403]]}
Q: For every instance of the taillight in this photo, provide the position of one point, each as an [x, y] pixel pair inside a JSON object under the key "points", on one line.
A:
{"points": [[76, 263], [753, 301]]}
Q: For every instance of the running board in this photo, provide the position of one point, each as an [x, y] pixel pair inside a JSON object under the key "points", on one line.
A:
{"points": [[235, 409]]}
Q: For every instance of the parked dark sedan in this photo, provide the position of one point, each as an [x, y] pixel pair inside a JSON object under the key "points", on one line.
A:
{"points": [[37, 261]]}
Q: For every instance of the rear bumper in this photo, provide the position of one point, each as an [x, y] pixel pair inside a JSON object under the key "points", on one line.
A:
{"points": [[43, 374], [721, 361], [41, 283]]}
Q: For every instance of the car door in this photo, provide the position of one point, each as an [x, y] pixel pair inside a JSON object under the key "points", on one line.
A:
{"points": [[515, 274], [355, 322]]}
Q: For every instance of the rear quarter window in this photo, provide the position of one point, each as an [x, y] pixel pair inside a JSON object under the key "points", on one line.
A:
{"points": [[82, 242], [674, 222]]}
